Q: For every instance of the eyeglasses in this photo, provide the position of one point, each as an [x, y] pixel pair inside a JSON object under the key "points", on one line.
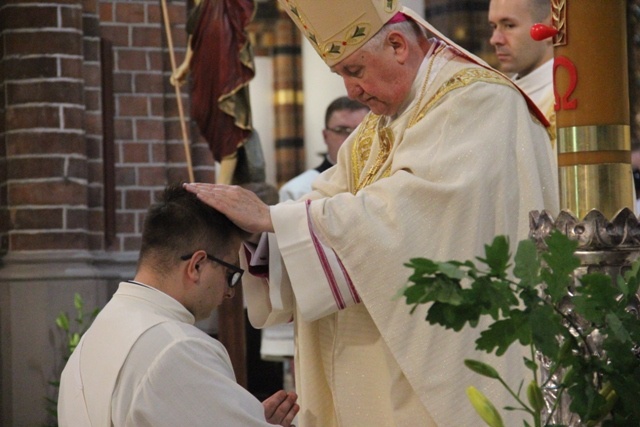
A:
{"points": [[234, 275], [341, 130]]}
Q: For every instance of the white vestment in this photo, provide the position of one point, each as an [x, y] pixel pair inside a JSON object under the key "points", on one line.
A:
{"points": [[277, 340], [143, 363], [538, 85], [298, 186], [462, 162]]}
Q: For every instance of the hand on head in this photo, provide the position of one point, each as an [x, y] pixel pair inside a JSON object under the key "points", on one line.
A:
{"points": [[241, 206]]}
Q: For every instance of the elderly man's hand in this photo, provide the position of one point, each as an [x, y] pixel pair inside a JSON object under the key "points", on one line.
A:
{"points": [[281, 408], [241, 206]]}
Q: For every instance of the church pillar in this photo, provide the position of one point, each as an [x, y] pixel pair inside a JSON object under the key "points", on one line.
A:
{"points": [[288, 100], [51, 216]]}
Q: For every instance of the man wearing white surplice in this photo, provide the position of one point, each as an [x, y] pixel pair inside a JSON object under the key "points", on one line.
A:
{"points": [[449, 157]]}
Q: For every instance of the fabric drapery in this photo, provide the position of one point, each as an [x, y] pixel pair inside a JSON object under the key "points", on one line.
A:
{"points": [[221, 68]]}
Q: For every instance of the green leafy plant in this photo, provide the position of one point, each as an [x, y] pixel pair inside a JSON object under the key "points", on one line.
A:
{"points": [[73, 331], [541, 304]]}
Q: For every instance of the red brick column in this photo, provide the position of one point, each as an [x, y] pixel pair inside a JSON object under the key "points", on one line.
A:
{"points": [[45, 180]]}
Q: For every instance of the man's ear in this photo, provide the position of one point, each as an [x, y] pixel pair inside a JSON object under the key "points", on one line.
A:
{"points": [[400, 45], [194, 264]]}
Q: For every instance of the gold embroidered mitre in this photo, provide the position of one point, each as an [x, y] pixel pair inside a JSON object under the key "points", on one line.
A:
{"points": [[337, 28]]}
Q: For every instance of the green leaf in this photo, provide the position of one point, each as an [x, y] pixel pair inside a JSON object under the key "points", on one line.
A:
{"points": [[497, 256], [439, 288], [534, 396], [501, 334], [446, 291], [77, 301], [566, 349], [422, 266], [482, 368], [561, 262], [618, 329], [492, 296], [622, 285], [585, 398], [633, 271], [451, 316], [451, 270], [63, 321], [415, 294], [73, 341], [596, 297], [530, 364], [527, 264], [546, 327]]}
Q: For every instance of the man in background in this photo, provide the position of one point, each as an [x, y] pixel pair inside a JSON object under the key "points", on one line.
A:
{"points": [[527, 61], [343, 115]]}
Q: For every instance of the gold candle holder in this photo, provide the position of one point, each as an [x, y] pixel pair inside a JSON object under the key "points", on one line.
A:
{"points": [[592, 106]]}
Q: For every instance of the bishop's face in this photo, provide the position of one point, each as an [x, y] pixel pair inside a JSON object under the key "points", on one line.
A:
{"points": [[377, 79]]}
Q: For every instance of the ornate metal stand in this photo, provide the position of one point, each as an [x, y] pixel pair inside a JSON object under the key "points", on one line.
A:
{"points": [[607, 247]]}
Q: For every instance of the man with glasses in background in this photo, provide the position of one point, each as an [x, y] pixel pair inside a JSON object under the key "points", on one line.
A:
{"points": [[142, 361], [343, 115]]}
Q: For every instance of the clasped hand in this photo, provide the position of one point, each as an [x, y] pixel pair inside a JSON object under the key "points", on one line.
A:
{"points": [[281, 408]]}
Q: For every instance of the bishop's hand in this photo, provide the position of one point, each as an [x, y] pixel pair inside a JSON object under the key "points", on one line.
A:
{"points": [[241, 206]]}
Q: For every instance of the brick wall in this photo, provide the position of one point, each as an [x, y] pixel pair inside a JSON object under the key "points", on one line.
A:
{"points": [[149, 150], [52, 134]]}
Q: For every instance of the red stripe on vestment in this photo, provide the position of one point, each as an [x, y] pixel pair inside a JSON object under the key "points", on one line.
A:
{"points": [[352, 289], [324, 262]]}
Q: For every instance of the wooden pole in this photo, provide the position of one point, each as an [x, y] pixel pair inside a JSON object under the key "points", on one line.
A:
{"points": [[183, 125]]}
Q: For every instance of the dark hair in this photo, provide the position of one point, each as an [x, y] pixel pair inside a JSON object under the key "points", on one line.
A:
{"points": [[180, 224], [342, 103]]}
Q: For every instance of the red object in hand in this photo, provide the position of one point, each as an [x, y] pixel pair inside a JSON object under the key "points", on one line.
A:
{"points": [[541, 32]]}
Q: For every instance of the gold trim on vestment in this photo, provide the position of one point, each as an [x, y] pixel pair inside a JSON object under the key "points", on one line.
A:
{"points": [[462, 78], [363, 145], [551, 130], [362, 149]]}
